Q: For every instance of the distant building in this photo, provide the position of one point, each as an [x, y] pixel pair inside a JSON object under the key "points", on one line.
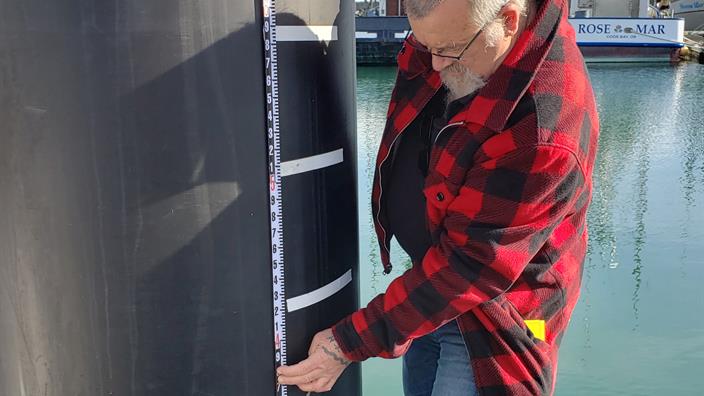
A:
{"points": [[368, 8], [381, 8], [394, 7], [609, 8]]}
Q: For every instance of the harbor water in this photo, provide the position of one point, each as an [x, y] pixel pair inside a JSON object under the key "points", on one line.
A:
{"points": [[638, 328]]}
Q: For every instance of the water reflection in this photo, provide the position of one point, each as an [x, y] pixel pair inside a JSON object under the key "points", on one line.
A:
{"points": [[634, 127], [373, 92], [692, 161], [641, 207]]}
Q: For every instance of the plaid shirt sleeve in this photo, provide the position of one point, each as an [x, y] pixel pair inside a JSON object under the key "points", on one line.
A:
{"points": [[500, 217]]}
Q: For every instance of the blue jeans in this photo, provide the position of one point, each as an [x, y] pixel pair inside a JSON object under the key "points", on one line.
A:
{"points": [[438, 365]]}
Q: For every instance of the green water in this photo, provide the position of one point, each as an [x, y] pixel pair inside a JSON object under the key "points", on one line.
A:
{"points": [[639, 326]]}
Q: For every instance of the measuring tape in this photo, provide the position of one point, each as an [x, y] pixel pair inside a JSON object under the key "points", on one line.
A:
{"points": [[274, 157]]}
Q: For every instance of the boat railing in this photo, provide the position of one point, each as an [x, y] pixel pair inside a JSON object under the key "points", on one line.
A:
{"points": [[654, 11]]}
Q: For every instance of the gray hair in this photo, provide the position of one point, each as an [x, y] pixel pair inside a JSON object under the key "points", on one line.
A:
{"points": [[481, 12]]}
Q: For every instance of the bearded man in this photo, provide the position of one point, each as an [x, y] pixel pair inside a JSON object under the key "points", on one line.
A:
{"points": [[484, 176]]}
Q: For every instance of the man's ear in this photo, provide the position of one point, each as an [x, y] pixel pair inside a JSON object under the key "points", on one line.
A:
{"points": [[511, 14]]}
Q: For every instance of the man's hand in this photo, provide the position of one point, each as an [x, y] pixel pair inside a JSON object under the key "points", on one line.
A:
{"points": [[320, 371]]}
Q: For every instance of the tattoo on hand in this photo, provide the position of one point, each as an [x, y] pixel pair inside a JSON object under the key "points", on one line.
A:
{"points": [[343, 361], [334, 342]]}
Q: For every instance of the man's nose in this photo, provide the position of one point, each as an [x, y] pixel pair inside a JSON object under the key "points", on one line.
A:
{"points": [[440, 63]]}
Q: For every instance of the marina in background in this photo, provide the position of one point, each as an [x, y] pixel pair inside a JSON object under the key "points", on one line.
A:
{"points": [[606, 31], [692, 11]]}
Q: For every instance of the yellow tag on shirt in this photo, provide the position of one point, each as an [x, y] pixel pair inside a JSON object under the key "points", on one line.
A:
{"points": [[537, 327]]}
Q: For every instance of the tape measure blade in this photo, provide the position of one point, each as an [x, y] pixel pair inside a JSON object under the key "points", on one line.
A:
{"points": [[275, 192]]}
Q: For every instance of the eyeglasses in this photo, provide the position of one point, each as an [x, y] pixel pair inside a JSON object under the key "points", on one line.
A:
{"points": [[411, 40]]}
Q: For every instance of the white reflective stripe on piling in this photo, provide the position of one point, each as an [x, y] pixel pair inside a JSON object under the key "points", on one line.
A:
{"points": [[365, 35], [306, 33], [311, 163], [316, 296]]}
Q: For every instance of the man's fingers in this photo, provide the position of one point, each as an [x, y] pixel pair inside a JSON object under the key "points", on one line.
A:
{"points": [[328, 385], [298, 369], [315, 386], [306, 378]]}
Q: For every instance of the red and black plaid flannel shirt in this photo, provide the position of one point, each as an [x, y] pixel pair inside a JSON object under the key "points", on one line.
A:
{"points": [[507, 197]]}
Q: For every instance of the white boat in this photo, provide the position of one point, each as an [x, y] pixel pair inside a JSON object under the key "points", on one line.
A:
{"points": [[692, 11], [620, 31], [629, 39]]}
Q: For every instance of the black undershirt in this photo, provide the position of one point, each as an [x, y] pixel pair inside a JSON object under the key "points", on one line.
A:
{"points": [[405, 202]]}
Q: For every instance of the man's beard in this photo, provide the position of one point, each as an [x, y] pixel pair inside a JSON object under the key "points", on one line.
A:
{"points": [[460, 81]]}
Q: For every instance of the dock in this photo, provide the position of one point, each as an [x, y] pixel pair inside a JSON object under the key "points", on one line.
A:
{"points": [[379, 39]]}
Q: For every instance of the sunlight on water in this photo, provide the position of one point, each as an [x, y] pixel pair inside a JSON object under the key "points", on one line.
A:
{"points": [[639, 326]]}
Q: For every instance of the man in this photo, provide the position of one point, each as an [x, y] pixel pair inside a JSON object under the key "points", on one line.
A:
{"points": [[484, 177], [664, 7]]}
